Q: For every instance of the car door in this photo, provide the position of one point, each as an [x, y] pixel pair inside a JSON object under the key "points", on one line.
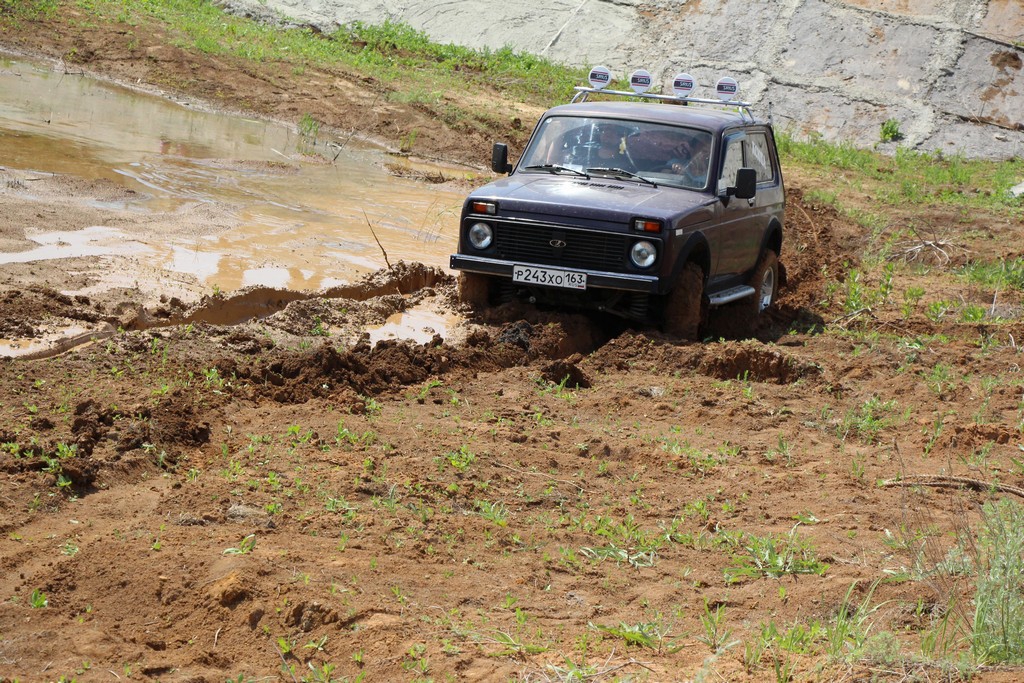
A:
{"points": [[738, 238], [761, 155]]}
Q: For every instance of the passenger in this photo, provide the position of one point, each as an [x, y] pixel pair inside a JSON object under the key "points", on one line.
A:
{"points": [[691, 162]]}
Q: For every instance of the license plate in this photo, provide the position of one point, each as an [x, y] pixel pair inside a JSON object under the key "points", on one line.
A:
{"points": [[549, 277]]}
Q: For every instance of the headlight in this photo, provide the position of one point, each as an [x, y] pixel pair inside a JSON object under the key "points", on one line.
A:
{"points": [[643, 254], [481, 235]]}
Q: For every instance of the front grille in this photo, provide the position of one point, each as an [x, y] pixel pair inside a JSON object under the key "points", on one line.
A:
{"points": [[583, 248]]}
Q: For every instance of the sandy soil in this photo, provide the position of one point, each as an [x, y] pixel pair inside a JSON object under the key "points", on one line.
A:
{"points": [[540, 496]]}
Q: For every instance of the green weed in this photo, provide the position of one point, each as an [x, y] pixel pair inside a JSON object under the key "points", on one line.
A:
{"points": [[28, 9], [715, 634], [845, 640], [869, 419], [460, 460], [998, 633], [38, 599], [494, 512], [512, 645], [637, 559], [245, 546], [773, 557], [910, 175], [891, 131]]}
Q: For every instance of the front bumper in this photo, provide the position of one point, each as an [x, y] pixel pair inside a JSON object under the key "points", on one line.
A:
{"points": [[595, 279]]}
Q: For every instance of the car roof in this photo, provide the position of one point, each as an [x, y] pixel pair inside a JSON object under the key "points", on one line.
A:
{"points": [[701, 117]]}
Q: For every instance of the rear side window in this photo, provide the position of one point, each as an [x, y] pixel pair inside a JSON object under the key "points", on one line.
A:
{"points": [[759, 156]]}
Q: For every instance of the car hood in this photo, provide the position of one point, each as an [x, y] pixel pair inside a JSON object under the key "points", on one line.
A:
{"points": [[606, 200]]}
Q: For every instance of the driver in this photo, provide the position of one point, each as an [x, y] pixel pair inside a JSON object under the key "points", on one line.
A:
{"points": [[611, 150]]}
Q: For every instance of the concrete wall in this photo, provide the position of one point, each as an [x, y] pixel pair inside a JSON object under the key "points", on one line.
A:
{"points": [[950, 71]]}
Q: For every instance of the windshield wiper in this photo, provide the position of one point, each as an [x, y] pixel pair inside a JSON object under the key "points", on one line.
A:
{"points": [[556, 169], [621, 173]]}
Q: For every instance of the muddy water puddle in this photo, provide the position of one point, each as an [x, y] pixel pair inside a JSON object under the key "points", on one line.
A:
{"points": [[226, 202], [417, 324], [292, 211]]}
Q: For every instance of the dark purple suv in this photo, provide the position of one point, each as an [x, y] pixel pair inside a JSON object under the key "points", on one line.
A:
{"points": [[659, 213]]}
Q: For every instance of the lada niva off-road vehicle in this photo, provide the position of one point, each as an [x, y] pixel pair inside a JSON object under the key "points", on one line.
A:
{"points": [[665, 211]]}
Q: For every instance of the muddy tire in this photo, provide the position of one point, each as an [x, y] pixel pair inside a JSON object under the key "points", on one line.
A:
{"points": [[474, 289], [684, 308], [741, 319]]}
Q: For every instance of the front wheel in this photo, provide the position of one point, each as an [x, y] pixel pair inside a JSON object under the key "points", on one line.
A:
{"points": [[474, 289], [684, 308]]}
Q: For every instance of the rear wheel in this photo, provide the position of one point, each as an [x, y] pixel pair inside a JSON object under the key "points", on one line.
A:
{"points": [[765, 282], [683, 310], [742, 318], [474, 289]]}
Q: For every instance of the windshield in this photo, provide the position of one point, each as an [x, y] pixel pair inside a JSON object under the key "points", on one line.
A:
{"points": [[657, 152]]}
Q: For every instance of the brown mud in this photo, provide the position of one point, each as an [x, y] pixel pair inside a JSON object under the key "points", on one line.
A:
{"points": [[246, 488]]}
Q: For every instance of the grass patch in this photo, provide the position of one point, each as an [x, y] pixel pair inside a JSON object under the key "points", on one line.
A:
{"points": [[997, 275], [913, 177], [391, 52], [32, 9]]}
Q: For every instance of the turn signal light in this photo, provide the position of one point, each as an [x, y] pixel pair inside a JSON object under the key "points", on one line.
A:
{"points": [[485, 207], [644, 225]]}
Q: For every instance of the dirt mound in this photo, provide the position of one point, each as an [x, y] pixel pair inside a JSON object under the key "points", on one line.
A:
{"points": [[757, 363], [392, 366], [820, 245], [25, 310]]}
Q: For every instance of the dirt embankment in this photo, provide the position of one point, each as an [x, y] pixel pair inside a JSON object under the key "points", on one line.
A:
{"points": [[539, 496]]}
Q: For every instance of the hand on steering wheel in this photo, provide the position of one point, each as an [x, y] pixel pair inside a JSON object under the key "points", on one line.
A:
{"points": [[678, 166]]}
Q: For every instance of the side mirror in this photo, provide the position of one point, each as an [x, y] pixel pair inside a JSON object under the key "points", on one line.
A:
{"points": [[746, 184], [499, 158]]}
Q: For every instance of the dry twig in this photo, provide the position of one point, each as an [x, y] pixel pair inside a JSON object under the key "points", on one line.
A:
{"points": [[372, 232], [932, 248], [947, 481], [542, 475]]}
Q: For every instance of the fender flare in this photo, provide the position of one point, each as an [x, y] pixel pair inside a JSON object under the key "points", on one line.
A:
{"points": [[694, 249], [773, 237]]}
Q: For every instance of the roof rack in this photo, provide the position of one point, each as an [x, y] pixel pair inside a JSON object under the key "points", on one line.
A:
{"points": [[682, 84]]}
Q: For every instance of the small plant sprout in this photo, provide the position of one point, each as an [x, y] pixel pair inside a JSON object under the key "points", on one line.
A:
{"points": [[157, 544], [715, 633], [461, 459], [285, 645], [38, 599], [316, 645], [245, 546], [495, 512]]}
